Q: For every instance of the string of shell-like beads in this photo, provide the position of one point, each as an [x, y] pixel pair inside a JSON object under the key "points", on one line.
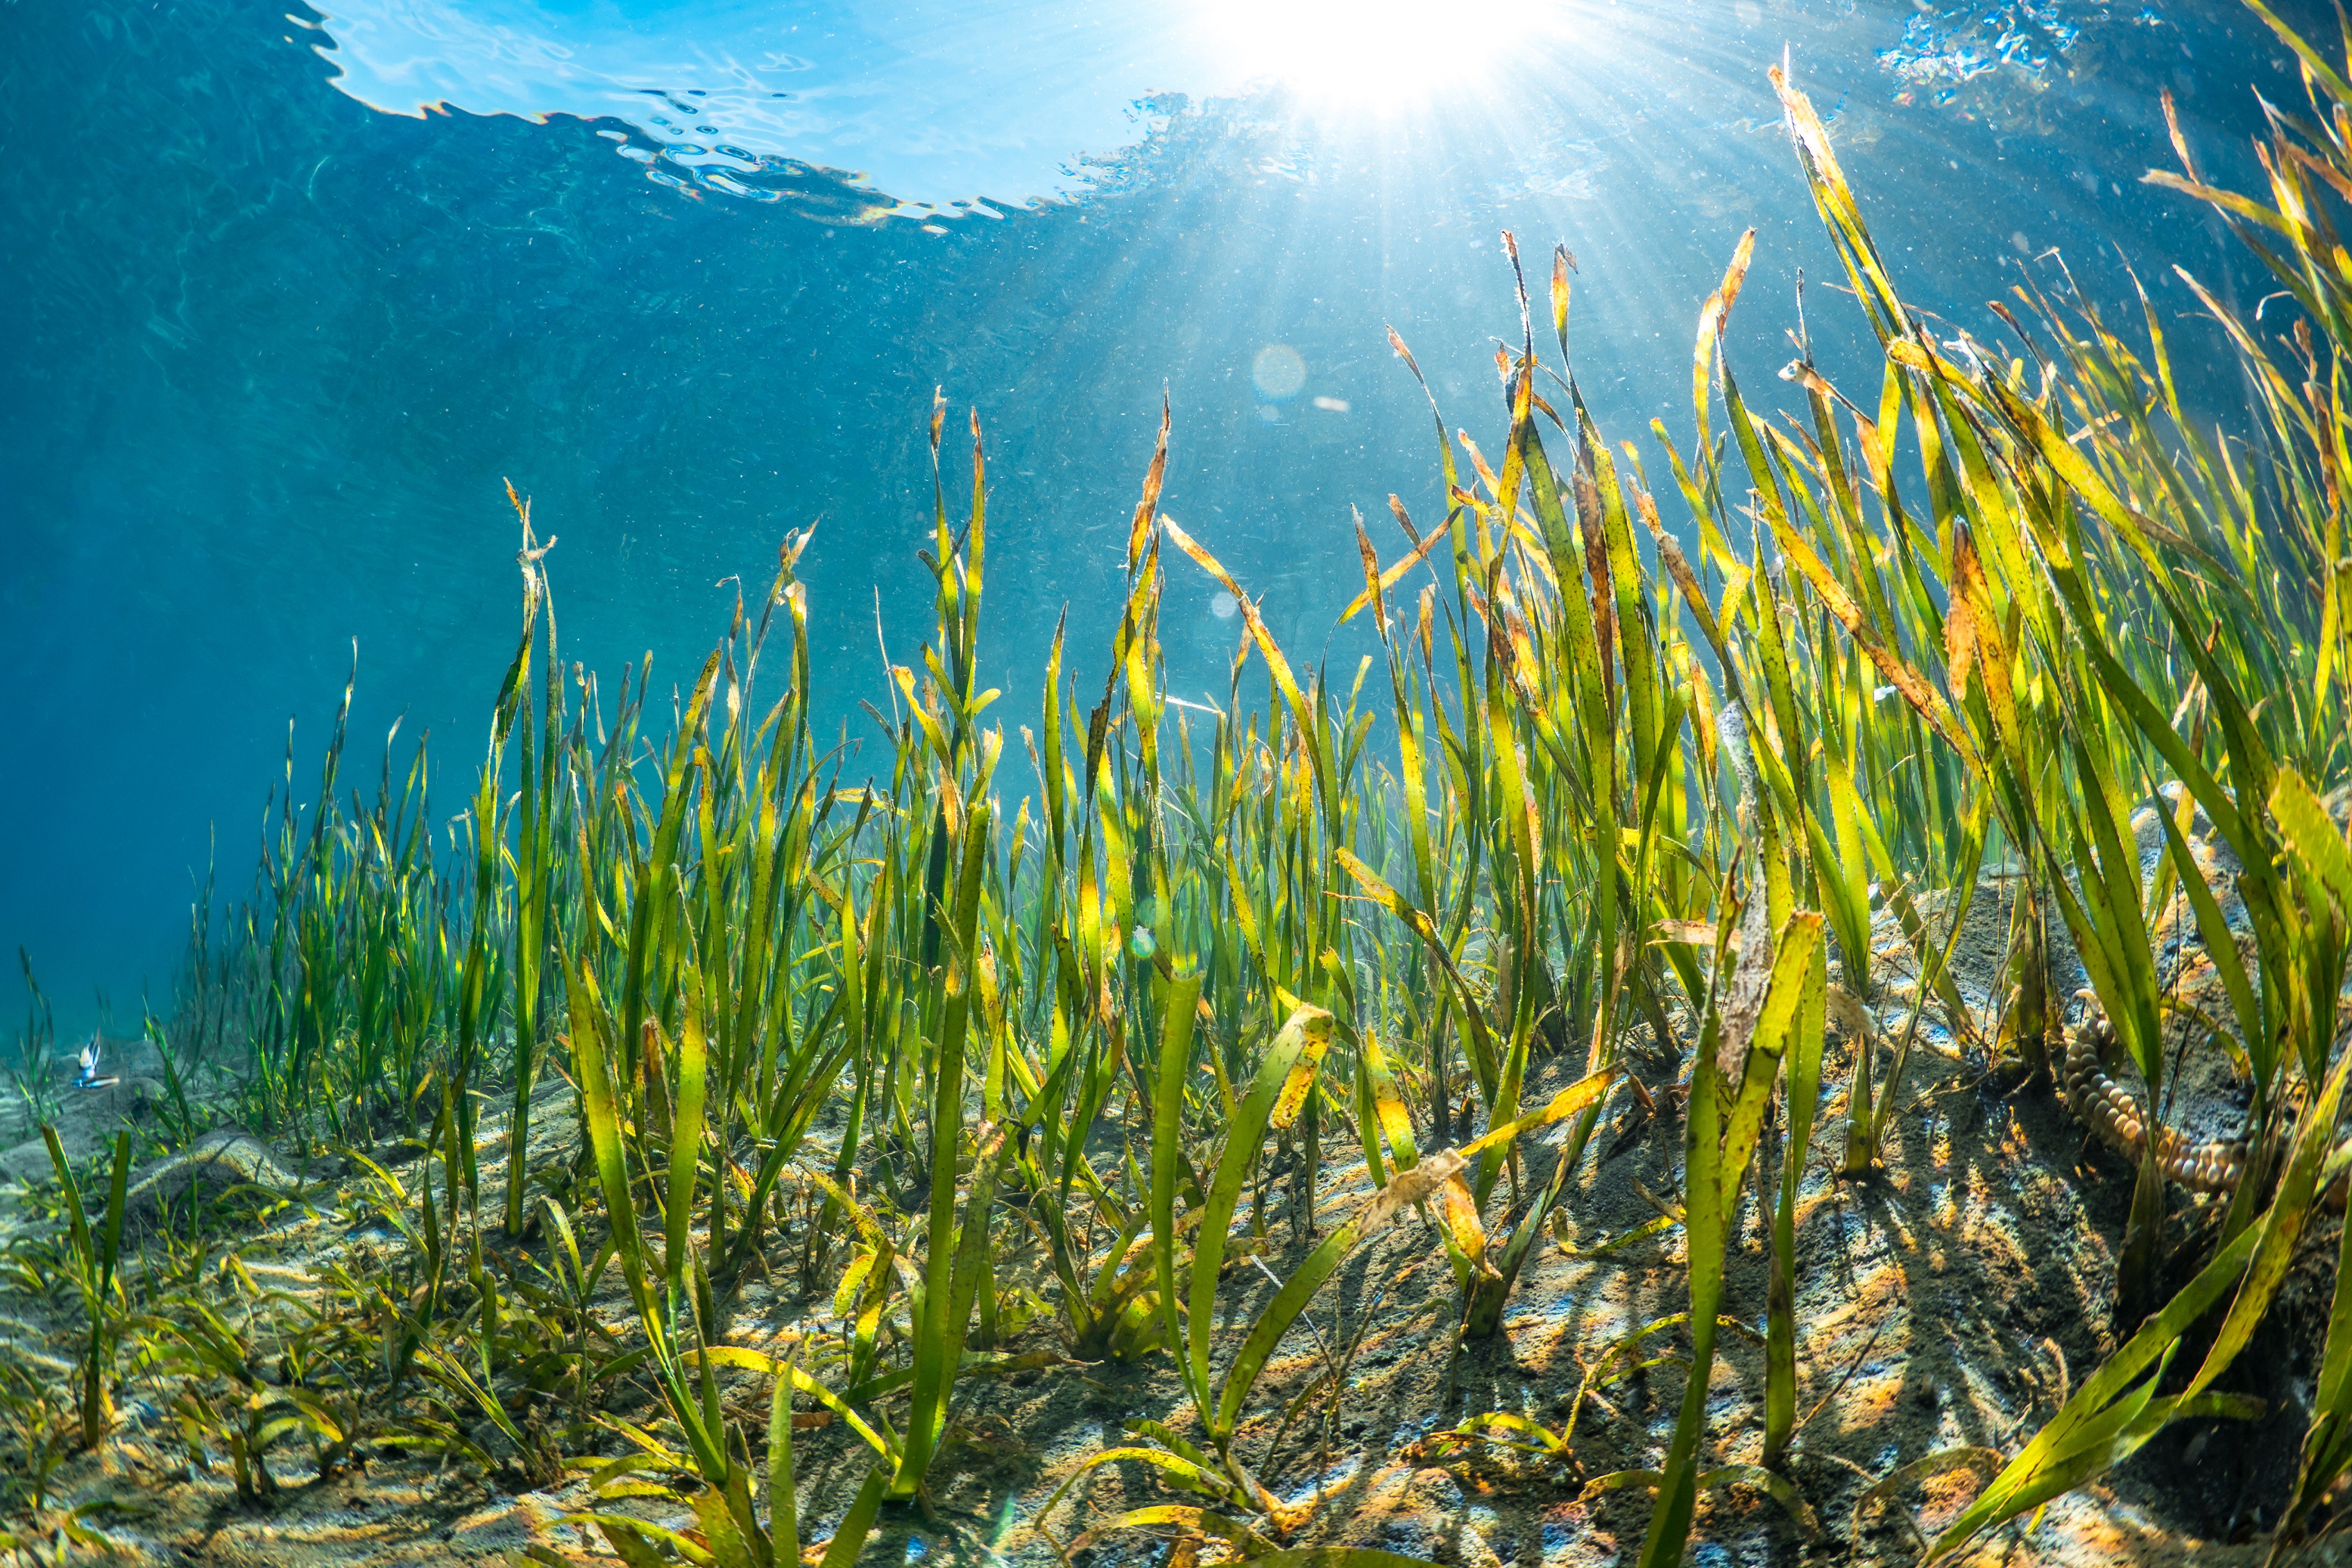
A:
{"points": [[2116, 1115]]}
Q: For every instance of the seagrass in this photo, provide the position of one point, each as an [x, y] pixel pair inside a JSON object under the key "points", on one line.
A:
{"points": [[1014, 1074]]}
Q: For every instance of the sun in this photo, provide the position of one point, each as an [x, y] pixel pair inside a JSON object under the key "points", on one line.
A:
{"points": [[1366, 53]]}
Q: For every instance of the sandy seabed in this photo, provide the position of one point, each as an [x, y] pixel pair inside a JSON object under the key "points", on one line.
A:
{"points": [[1948, 1302]]}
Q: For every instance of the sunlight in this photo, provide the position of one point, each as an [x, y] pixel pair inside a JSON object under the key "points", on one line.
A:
{"points": [[1373, 53]]}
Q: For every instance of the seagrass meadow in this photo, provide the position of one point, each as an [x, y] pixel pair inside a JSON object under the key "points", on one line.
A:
{"points": [[1791, 1011]]}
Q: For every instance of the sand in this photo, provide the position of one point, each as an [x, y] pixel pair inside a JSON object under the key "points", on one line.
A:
{"points": [[1948, 1302]]}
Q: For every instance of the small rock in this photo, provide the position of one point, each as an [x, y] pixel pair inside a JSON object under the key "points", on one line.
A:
{"points": [[224, 1158]]}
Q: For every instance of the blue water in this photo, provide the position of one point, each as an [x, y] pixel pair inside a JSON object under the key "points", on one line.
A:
{"points": [[274, 331]]}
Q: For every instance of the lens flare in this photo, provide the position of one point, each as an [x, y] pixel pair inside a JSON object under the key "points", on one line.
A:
{"points": [[1278, 372]]}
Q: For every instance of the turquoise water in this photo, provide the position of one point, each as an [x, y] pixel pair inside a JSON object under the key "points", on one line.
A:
{"points": [[689, 274]]}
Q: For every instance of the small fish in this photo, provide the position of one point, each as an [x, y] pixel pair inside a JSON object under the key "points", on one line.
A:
{"points": [[88, 1077]]}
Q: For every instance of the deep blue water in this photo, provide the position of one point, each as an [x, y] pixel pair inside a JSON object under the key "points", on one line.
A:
{"points": [[268, 350]]}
